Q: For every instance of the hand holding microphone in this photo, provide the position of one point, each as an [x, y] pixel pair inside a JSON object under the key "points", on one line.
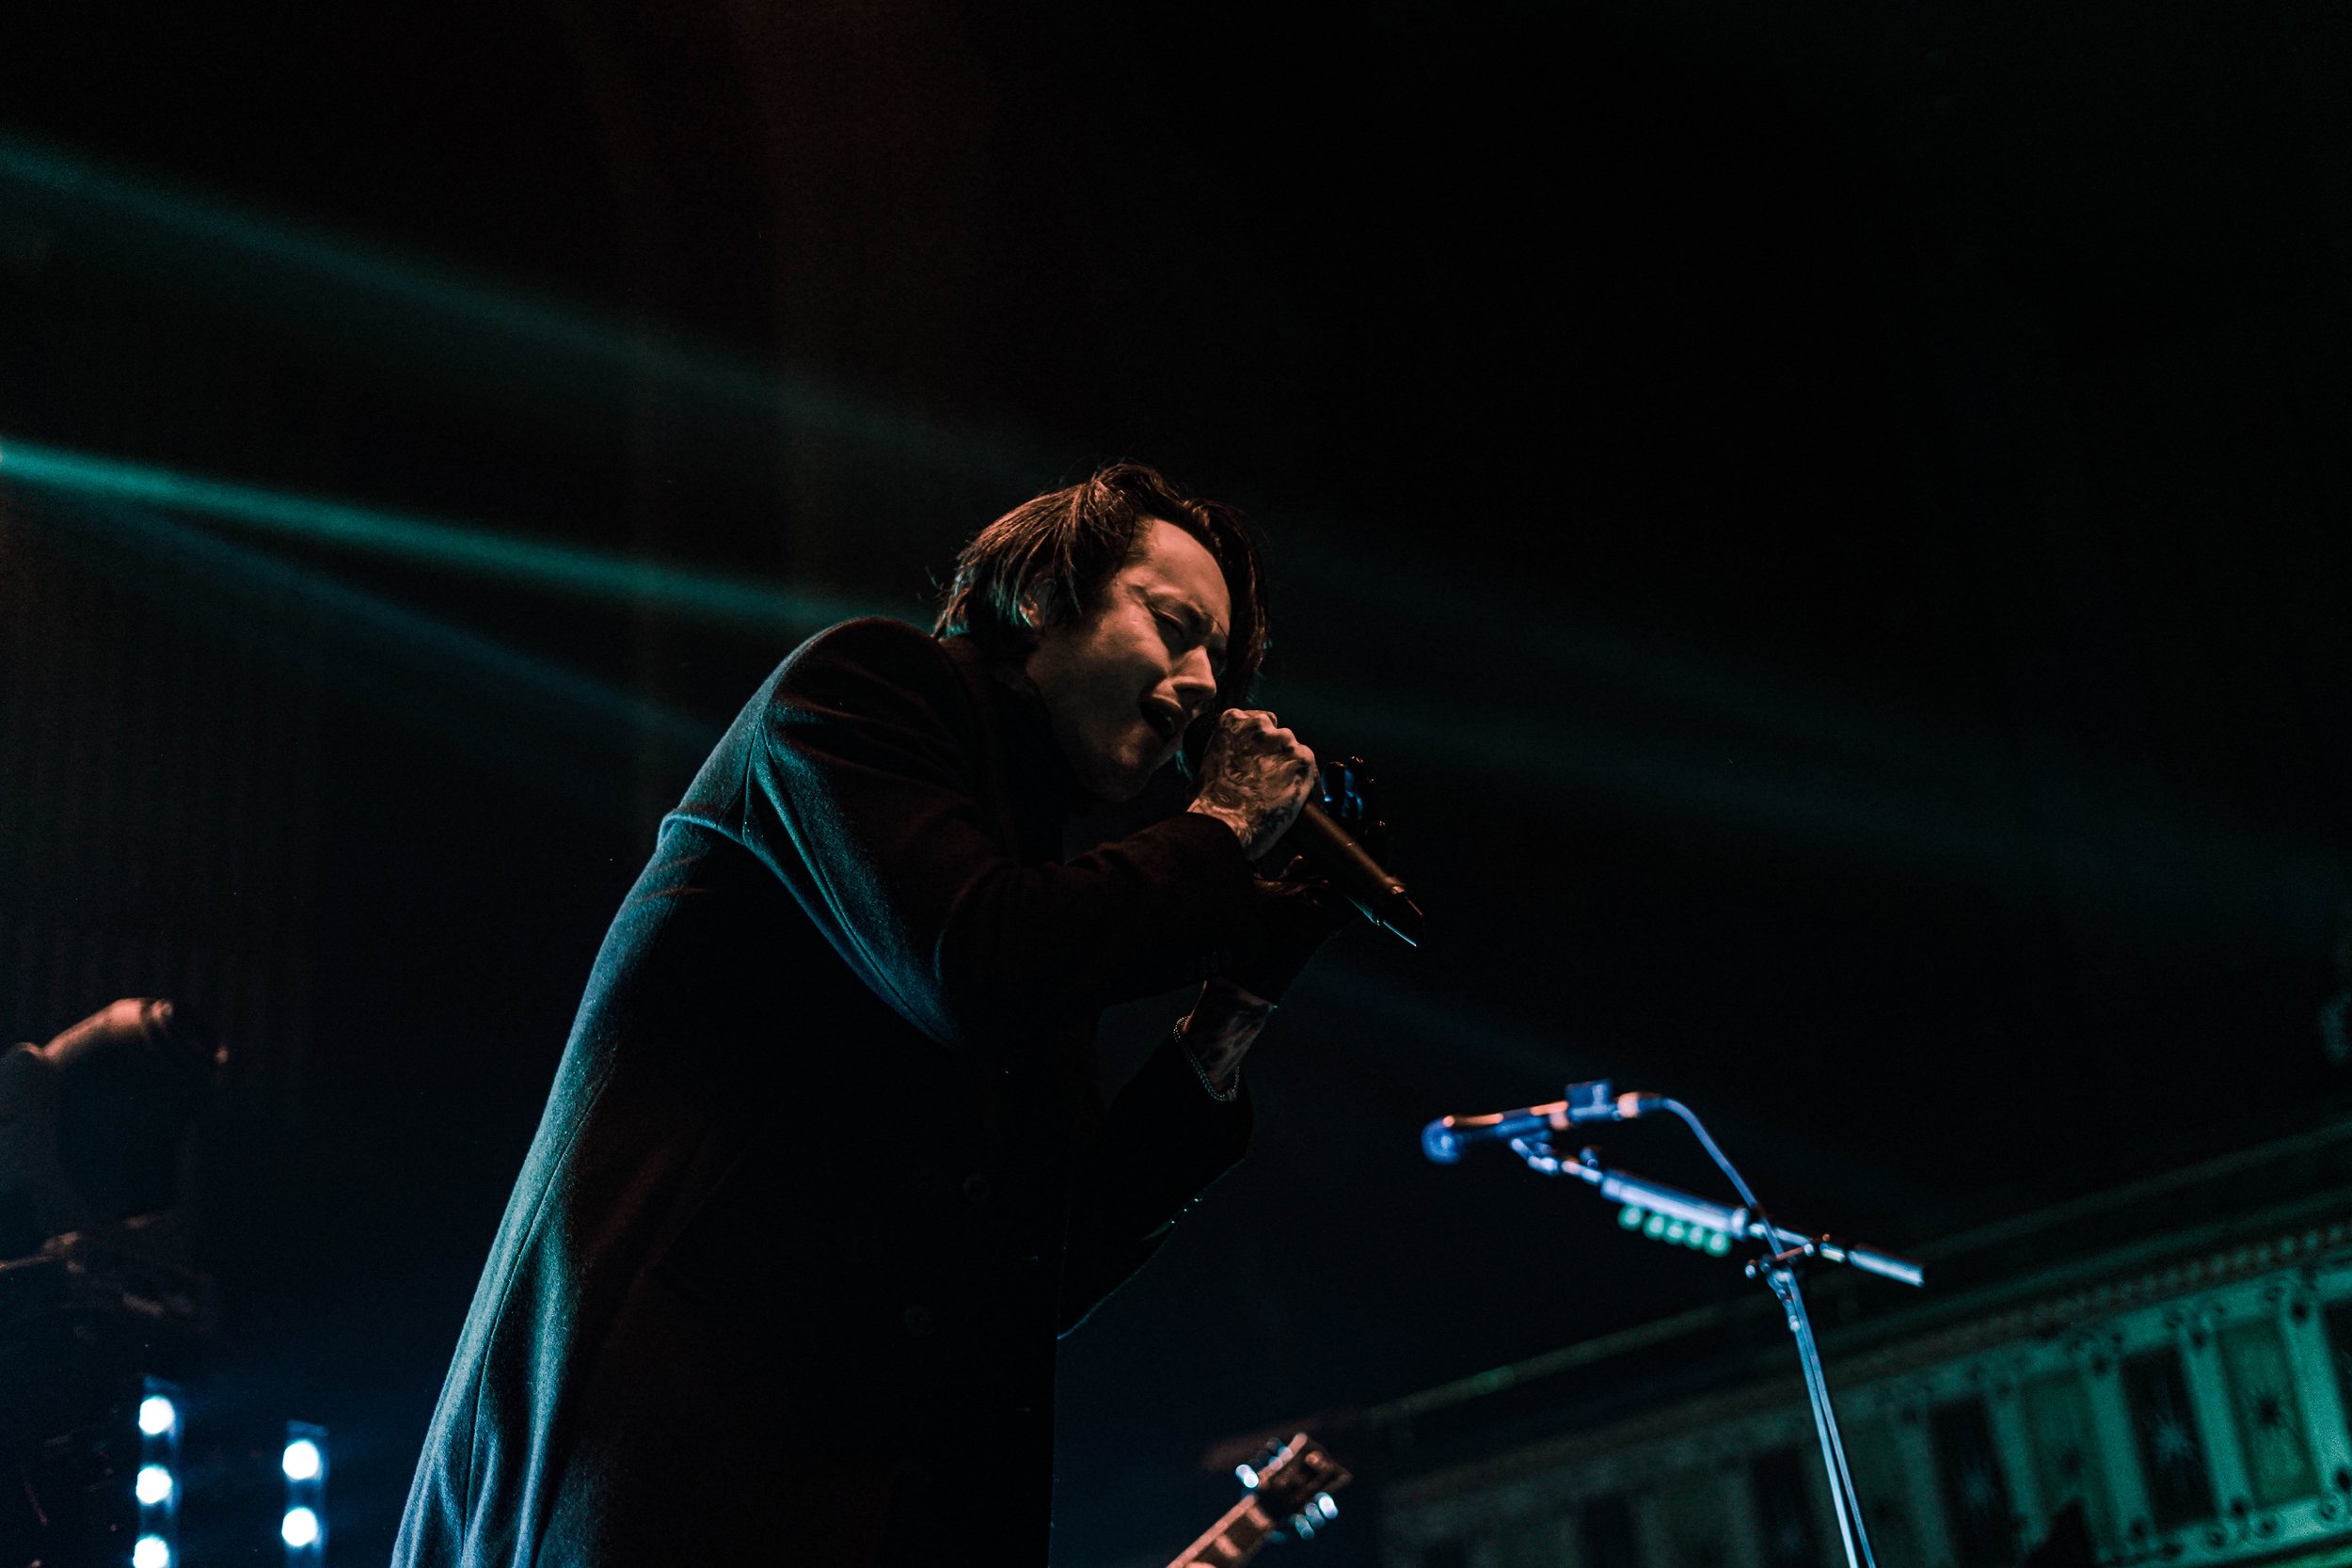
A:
{"points": [[1347, 843], [1259, 780], [1255, 778]]}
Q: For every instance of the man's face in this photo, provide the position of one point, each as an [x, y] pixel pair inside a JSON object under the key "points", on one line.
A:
{"points": [[1121, 685]]}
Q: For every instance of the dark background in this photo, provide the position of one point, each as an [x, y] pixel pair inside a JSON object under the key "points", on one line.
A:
{"points": [[1831, 524]]}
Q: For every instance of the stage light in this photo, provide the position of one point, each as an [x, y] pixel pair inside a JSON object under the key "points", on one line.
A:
{"points": [[94, 1124], [717, 599], [155, 1485], [489, 338], [304, 1525]]}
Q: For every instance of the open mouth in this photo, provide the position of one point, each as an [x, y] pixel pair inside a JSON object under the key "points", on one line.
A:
{"points": [[1165, 719]]}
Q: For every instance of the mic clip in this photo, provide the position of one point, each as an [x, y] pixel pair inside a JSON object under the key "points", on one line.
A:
{"points": [[1596, 1100], [1591, 1101]]}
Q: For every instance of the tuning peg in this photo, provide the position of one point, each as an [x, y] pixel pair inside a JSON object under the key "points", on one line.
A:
{"points": [[1322, 1508], [1302, 1527], [1251, 1473]]}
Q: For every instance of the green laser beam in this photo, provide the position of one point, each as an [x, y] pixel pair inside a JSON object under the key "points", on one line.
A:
{"points": [[2133, 852], [2139, 856], [474, 331], [400, 644], [717, 599]]}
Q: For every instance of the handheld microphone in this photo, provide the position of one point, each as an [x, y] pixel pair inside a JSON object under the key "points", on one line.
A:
{"points": [[1445, 1139], [1371, 889]]}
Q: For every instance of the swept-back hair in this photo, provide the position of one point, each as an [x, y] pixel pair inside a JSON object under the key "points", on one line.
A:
{"points": [[1048, 562]]}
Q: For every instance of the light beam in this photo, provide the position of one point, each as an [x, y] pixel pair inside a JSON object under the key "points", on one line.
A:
{"points": [[712, 597]]}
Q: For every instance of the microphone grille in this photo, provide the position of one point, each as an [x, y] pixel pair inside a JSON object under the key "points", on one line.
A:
{"points": [[1439, 1141]]}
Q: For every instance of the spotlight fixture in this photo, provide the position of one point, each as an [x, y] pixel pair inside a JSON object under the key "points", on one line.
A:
{"points": [[303, 1525], [103, 1302], [155, 1485], [92, 1124]]}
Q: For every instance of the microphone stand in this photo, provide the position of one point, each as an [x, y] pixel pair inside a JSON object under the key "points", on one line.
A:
{"points": [[1673, 1214]]}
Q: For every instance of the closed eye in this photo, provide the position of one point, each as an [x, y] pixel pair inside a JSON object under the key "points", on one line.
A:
{"points": [[1180, 637], [1184, 635]]}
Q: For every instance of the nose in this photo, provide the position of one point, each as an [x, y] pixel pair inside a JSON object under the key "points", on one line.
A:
{"points": [[1195, 682]]}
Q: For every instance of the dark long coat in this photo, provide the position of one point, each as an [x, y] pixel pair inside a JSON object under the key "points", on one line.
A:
{"points": [[823, 1172]]}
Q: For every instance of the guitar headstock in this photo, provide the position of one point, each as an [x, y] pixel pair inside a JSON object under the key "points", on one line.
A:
{"points": [[1293, 1484], [1288, 1486]]}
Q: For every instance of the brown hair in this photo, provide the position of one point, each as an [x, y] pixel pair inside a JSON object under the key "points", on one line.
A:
{"points": [[1047, 563]]}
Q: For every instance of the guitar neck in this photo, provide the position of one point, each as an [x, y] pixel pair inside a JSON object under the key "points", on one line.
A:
{"points": [[1292, 1493], [1235, 1538]]}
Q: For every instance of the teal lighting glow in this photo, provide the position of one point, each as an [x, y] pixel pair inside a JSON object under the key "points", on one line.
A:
{"points": [[478, 334], [303, 1525], [1958, 816], [686, 591], [300, 1528], [403, 654], [1698, 1238]]}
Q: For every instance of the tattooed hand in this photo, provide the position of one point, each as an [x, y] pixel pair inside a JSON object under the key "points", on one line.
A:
{"points": [[1255, 778]]}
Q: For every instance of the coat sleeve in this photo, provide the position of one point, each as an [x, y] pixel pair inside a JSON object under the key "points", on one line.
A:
{"points": [[1163, 1142], [866, 796]]}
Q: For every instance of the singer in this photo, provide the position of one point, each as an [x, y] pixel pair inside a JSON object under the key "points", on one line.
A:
{"points": [[824, 1172]]}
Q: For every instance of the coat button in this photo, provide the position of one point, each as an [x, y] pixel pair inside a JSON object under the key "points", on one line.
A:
{"points": [[975, 1188], [918, 1322]]}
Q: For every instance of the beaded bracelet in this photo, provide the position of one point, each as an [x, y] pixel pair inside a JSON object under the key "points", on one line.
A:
{"points": [[1223, 1098]]}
